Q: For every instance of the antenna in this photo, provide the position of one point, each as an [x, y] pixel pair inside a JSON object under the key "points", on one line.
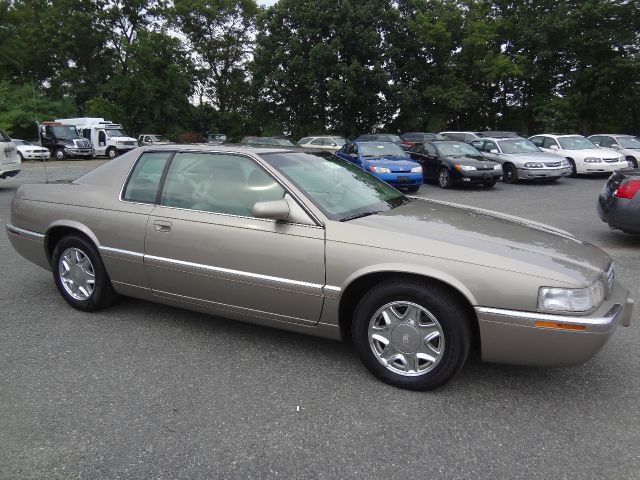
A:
{"points": [[44, 160]]}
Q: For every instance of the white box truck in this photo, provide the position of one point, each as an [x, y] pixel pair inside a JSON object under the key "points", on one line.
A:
{"points": [[108, 139]]}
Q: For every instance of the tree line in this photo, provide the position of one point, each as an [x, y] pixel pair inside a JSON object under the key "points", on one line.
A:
{"points": [[342, 66]]}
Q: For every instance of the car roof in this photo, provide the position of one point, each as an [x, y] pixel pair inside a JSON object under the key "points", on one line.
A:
{"points": [[612, 135], [501, 139], [231, 148], [557, 135]]}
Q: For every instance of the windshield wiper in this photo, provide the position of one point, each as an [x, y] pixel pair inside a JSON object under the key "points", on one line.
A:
{"points": [[359, 215]]}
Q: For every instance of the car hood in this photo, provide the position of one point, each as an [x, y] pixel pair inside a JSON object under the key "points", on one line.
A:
{"points": [[482, 237], [531, 157], [591, 152], [474, 162], [30, 148], [124, 139], [393, 162]]}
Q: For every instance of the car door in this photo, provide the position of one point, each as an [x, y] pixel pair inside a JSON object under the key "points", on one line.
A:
{"points": [[431, 161], [491, 151], [549, 145], [204, 246]]}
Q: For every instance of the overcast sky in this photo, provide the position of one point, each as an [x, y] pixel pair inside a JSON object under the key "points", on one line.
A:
{"points": [[267, 2]]}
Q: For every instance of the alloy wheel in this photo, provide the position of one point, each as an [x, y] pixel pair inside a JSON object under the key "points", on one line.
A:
{"points": [[406, 338], [77, 274]]}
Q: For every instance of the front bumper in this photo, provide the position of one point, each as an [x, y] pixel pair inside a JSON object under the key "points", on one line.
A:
{"points": [[400, 179], [79, 152], [542, 173], [476, 176], [44, 155], [602, 167], [509, 336]]}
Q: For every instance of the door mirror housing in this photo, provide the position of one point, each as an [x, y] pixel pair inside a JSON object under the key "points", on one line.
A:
{"points": [[493, 150], [553, 147], [274, 210]]}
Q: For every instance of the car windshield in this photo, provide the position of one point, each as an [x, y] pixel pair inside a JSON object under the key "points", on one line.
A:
{"points": [[116, 132], [340, 189], [576, 143], [456, 149], [380, 149], [65, 131], [629, 142], [517, 146], [20, 142], [281, 141], [158, 138]]}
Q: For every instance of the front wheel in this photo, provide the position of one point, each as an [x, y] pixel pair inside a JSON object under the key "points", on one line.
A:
{"points": [[510, 173], [80, 275], [633, 162], [112, 153], [489, 183], [444, 178], [412, 335], [574, 169], [59, 154]]}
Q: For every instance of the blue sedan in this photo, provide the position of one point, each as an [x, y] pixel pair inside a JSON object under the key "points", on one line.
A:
{"points": [[385, 160]]}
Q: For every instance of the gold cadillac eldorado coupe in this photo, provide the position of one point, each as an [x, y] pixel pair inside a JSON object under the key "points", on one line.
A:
{"points": [[307, 242]]}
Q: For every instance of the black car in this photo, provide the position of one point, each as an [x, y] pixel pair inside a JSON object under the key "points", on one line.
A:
{"points": [[409, 139], [619, 202], [379, 137], [450, 162]]}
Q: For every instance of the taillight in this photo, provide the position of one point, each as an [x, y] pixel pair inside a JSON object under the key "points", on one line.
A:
{"points": [[627, 189]]}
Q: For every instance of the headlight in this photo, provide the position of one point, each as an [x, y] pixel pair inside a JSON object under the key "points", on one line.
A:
{"points": [[379, 169], [592, 160], [497, 167], [533, 165], [464, 168], [119, 143], [416, 170], [571, 299], [621, 159]]}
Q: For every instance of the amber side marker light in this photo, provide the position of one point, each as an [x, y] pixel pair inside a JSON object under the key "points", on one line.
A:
{"points": [[564, 326]]}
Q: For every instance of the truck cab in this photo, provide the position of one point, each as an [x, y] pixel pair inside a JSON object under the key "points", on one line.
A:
{"points": [[108, 138], [64, 141]]}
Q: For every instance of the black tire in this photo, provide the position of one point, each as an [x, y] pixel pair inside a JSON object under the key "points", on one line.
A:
{"points": [[442, 304], [444, 178], [489, 184], [59, 154], [633, 161], [103, 294], [21, 157], [510, 173], [111, 153], [574, 169], [413, 189]]}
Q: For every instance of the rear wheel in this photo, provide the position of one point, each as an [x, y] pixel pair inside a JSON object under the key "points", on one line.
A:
{"points": [[80, 275], [510, 173], [413, 335], [444, 178]]}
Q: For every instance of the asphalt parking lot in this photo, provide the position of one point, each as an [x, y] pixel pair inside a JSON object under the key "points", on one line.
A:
{"points": [[149, 391]]}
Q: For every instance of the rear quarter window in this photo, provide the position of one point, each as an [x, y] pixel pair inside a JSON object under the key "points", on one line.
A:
{"points": [[144, 180]]}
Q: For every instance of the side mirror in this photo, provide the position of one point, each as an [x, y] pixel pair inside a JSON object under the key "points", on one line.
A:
{"points": [[274, 210], [615, 146], [493, 150], [553, 147]]}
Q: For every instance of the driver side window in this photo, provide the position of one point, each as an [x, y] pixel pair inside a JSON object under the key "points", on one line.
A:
{"points": [[430, 150], [548, 142], [217, 183]]}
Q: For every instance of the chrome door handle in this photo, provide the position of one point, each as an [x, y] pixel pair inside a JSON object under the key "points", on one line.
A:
{"points": [[160, 226]]}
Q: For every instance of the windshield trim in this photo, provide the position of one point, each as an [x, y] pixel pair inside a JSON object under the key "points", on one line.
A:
{"points": [[329, 216]]}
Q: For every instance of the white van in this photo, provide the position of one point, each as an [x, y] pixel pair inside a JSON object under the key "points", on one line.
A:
{"points": [[9, 160], [108, 139]]}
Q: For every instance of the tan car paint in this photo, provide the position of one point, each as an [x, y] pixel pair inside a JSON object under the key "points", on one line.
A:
{"points": [[274, 274]]}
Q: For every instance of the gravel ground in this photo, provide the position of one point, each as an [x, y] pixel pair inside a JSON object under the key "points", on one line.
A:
{"points": [[148, 391]]}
